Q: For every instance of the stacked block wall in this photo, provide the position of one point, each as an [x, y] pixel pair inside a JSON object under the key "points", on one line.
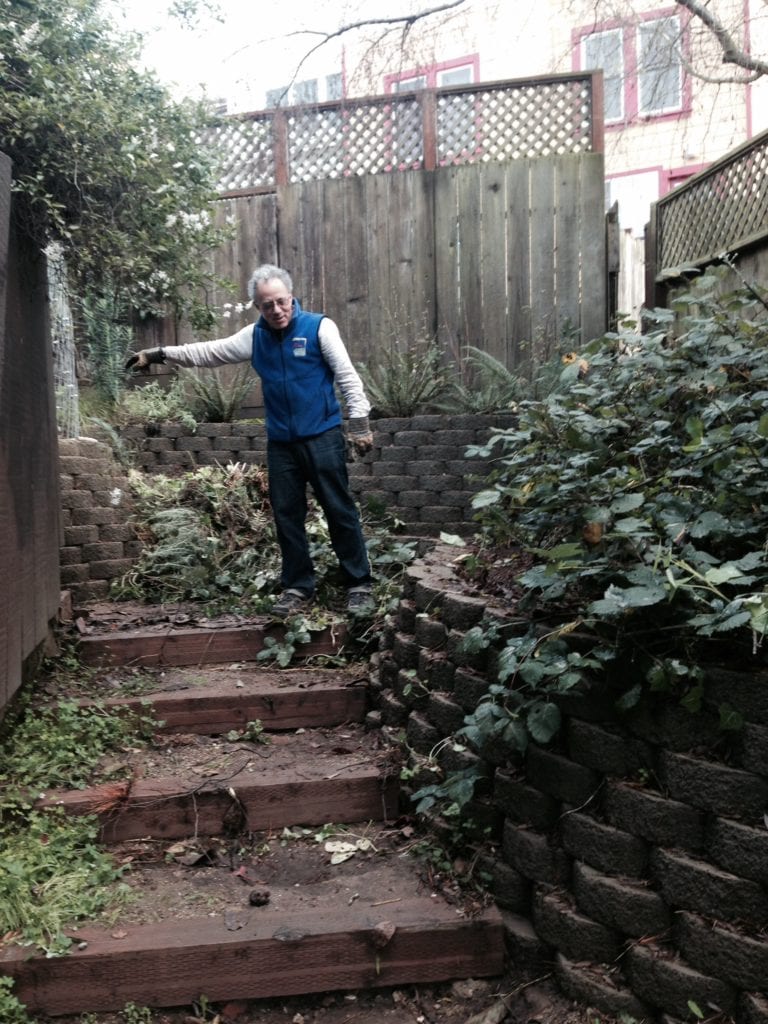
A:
{"points": [[628, 860], [417, 470], [98, 542]]}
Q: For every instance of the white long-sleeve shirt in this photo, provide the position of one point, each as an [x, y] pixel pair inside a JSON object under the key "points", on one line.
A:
{"points": [[237, 348]]}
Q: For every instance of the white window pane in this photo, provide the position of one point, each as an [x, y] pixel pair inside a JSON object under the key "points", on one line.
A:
{"points": [[660, 67], [333, 86], [277, 97], [606, 50], [305, 92], [409, 84], [456, 76]]}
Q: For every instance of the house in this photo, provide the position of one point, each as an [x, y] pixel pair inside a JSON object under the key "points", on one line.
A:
{"points": [[671, 104]]}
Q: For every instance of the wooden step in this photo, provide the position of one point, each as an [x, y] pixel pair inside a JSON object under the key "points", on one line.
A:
{"points": [[177, 645], [310, 778], [346, 927], [221, 698], [243, 911]]}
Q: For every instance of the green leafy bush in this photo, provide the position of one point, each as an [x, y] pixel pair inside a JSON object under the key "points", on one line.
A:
{"points": [[104, 161], [155, 403], [638, 485], [640, 489]]}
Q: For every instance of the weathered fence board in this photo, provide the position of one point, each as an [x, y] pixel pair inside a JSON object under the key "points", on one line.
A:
{"points": [[494, 258], [518, 254], [591, 247], [501, 256], [543, 265], [29, 494], [567, 198]]}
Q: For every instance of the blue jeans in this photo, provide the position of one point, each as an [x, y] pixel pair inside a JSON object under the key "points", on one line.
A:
{"points": [[321, 462]]}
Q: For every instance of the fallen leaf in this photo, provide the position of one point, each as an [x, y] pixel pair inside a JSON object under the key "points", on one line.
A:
{"points": [[234, 920], [493, 1015], [382, 933], [119, 933]]}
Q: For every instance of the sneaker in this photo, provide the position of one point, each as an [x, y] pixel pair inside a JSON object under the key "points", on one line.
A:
{"points": [[360, 601], [290, 602]]}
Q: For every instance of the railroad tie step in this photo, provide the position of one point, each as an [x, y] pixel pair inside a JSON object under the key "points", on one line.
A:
{"points": [[243, 885]]}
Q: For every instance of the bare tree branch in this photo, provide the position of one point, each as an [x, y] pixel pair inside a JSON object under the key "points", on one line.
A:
{"points": [[732, 53], [406, 20]]}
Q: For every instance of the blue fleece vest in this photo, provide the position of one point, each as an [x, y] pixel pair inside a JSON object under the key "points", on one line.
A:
{"points": [[296, 381]]}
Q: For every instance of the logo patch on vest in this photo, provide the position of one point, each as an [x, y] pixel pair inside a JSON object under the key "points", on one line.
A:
{"points": [[299, 346]]}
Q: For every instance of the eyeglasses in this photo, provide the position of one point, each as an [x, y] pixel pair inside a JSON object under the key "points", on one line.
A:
{"points": [[283, 302]]}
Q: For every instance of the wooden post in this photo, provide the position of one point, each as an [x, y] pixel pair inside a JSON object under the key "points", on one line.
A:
{"points": [[282, 158], [429, 128], [598, 113]]}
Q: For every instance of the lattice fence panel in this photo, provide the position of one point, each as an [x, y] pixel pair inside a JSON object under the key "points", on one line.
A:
{"points": [[502, 121], [716, 213], [246, 153], [540, 119], [366, 138]]}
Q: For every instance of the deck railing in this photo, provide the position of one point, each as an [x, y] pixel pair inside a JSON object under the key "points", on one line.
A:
{"points": [[722, 209]]}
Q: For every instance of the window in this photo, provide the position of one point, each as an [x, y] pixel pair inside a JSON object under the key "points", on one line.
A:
{"points": [[277, 97], [642, 65], [461, 71], [456, 76], [659, 66], [307, 91], [605, 50], [333, 87], [409, 84]]}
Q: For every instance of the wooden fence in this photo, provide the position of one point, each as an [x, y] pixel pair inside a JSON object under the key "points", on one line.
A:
{"points": [[423, 130], [508, 257], [472, 215], [723, 209], [29, 485]]}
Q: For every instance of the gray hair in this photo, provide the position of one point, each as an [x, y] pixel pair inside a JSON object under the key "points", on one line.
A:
{"points": [[268, 272]]}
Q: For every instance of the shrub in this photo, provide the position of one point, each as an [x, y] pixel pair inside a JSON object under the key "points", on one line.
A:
{"points": [[640, 488]]}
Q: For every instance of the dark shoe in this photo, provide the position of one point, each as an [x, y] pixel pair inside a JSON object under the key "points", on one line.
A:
{"points": [[360, 601], [291, 602]]}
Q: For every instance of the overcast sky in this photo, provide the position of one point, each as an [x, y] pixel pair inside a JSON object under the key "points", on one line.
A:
{"points": [[257, 47]]}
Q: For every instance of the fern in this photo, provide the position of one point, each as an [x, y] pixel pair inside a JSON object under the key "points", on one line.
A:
{"points": [[404, 383], [489, 386], [216, 399]]}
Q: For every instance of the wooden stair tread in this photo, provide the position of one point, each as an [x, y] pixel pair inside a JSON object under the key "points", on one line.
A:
{"points": [[178, 645], [307, 778], [223, 698], [170, 964]]}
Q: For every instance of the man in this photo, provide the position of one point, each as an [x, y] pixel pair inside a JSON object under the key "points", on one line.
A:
{"points": [[299, 356]]}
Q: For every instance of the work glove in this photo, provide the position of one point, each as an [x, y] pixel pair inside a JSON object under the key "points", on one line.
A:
{"points": [[141, 360], [360, 434]]}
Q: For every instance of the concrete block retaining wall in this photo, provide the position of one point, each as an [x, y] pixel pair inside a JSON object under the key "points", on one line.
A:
{"points": [[98, 541], [627, 859], [416, 472]]}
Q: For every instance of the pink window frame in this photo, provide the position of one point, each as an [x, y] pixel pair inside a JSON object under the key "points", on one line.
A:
{"points": [[631, 84], [431, 71]]}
